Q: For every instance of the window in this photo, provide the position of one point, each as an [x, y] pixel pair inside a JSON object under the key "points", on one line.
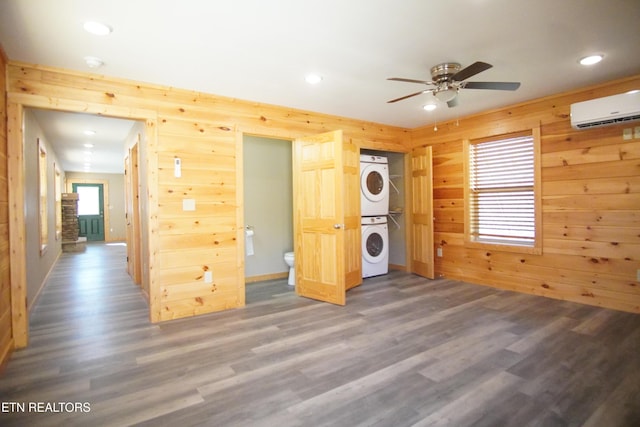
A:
{"points": [[503, 192], [88, 200], [42, 188]]}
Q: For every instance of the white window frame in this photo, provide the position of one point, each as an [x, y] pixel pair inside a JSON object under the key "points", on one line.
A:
{"points": [[473, 238]]}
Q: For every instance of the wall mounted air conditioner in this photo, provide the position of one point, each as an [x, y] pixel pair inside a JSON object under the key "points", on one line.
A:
{"points": [[606, 111]]}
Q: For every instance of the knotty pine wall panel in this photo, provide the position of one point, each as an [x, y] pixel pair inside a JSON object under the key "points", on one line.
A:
{"points": [[59, 86], [203, 131], [6, 336], [590, 204], [188, 240]]}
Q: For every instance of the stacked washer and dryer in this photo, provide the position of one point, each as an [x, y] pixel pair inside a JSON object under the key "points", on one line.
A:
{"points": [[374, 189]]}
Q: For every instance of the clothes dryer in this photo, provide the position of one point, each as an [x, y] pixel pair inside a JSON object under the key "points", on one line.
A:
{"points": [[375, 246], [374, 185]]}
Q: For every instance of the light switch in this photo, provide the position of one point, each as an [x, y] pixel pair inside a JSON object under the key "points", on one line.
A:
{"points": [[177, 167], [627, 134], [208, 276], [188, 204]]}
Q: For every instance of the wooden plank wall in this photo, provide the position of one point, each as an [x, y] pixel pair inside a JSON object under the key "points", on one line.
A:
{"points": [[590, 205], [203, 130], [6, 343]]}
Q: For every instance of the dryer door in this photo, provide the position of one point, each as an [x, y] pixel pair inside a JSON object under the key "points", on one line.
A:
{"points": [[374, 244], [372, 181]]}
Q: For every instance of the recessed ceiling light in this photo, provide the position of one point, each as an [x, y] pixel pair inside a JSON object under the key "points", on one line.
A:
{"points": [[89, 132], [591, 59], [88, 145], [313, 79], [430, 107], [97, 28], [93, 62]]}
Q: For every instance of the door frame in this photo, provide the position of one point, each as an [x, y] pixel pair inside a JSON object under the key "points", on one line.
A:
{"points": [[16, 103], [105, 199], [243, 225], [352, 226]]}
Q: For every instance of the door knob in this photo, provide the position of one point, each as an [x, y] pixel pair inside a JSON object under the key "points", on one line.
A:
{"points": [[338, 226]]}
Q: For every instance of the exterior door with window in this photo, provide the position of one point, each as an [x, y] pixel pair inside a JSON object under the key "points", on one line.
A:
{"points": [[90, 210]]}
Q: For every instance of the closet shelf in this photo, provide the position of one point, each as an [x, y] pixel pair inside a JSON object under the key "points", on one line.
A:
{"points": [[393, 212], [391, 178]]}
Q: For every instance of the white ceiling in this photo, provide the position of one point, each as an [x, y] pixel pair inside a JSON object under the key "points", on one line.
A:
{"points": [[260, 50], [65, 131]]}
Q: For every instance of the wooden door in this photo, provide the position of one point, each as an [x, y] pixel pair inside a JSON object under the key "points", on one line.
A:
{"points": [[127, 212], [422, 212], [320, 225], [132, 214], [352, 228]]}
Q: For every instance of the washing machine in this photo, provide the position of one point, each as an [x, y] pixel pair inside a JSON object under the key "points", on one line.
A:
{"points": [[374, 185], [375, 246]]}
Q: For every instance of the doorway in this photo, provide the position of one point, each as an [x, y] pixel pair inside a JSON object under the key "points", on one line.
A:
{"points": [[397, 223], [268, 207], [28, 125]]}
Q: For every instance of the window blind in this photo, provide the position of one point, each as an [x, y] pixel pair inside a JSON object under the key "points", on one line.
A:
{"points": [[502, 204]]}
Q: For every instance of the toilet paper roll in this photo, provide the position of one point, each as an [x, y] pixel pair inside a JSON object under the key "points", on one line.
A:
{"points": [[248, 242]]}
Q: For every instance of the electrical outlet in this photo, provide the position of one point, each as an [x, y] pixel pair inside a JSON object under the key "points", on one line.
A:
{"points": [[208, 276], [439, 253]]}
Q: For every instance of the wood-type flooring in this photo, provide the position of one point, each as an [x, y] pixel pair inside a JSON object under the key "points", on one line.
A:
{"points": [[404, 351]]}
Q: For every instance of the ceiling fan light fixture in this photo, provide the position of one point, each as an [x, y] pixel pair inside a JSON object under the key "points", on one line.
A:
{"points": [[591, 59], [429, 107], [446, 95]]}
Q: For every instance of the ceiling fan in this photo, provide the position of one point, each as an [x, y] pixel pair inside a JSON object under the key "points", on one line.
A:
{"points": [[449, 78]]}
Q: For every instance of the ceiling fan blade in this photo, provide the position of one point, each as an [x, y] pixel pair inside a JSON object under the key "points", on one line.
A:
{"points": [[452, 102], [399, 79], [408, 96], [492, 85], [471, 70]]}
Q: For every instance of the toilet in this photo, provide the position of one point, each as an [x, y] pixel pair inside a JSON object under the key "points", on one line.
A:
{"points": [[289, 259]]}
